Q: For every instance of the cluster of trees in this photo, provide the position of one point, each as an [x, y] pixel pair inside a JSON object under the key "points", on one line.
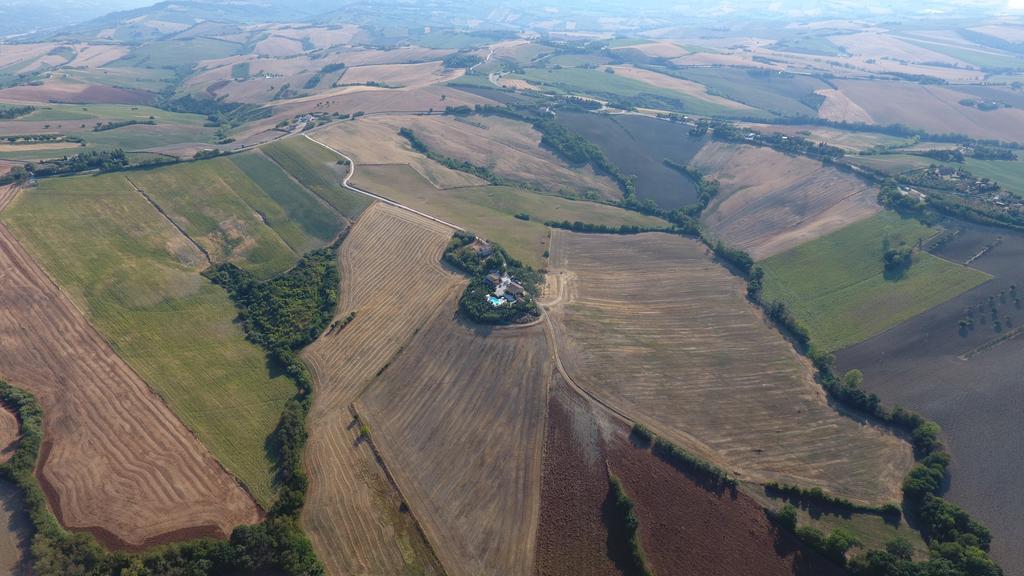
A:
{"points": [[625, 520], [982, 152], [328, 68], [461, 60], [729, 132], [738, 258], [463, 253], [313, 81], [898, 260], [707, 188], [585, 227], [104, 126], [218, 112], [818, 496], [953, 155], [103, 160], [290, 310], [702, 470], [10, 112]]}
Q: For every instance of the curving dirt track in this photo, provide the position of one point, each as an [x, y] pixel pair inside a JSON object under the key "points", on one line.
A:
{"points": [[655, 329], [459, 418], [116, 462], [392, 278]]}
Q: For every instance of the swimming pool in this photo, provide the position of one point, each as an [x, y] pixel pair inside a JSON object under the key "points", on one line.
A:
{"points": [[495, 301]]}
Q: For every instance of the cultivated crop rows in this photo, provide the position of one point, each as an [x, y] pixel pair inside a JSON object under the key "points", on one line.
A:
{"points": [[656, 329], [393, 281], [459, 419], [115, 461]]}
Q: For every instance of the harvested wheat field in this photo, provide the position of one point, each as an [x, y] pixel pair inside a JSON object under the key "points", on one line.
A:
{"points": [[115, 461], [653, 327], [391, 277], [459, 419], [509, 148], [375, 140], [688, 87], [770, 202], [401, 75], [839, 108]]}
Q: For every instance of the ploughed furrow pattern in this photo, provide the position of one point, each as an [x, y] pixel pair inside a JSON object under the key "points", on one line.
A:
{"points": [[656, 329], [459, 420], [393, 280], [115, 460]]}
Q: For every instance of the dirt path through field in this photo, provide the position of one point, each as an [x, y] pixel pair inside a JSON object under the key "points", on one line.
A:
{"points": [[115, 462]]}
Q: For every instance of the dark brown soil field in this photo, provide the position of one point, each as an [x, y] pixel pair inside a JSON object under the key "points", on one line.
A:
{"points": [[970, 382], [686, 529], [639, 145], [572, 537]]}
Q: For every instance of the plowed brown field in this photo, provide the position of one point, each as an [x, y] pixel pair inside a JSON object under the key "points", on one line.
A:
{"points": [[459, 419], [770, 202], [655, 329], [115, 460], [392, 278]]}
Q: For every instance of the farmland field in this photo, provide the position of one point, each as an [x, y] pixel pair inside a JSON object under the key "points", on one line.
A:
{"points": [[837, 287], [459, 419], [770, 202], [216, 204], [509, 148], [638, 145], [137, 279], [601, 84], [935, 109], [100, 416], [967, 380], [376, 141], [318, 170], [388, 253], [781, 94], [301, 219], [655, 328], [490, 210]]}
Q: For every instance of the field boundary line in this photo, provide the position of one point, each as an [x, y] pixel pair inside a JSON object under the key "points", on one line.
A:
{"points": [[171, 221], [352, 170]]}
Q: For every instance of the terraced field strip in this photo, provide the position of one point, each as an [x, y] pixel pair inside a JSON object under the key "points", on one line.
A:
{"points": [[116, 461], [651, 326], [391, 277], [459, 418]]}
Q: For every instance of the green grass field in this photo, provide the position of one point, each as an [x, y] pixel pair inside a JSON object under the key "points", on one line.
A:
{"points": [[219, 207], [150, 79], [490, 210], [317, 168], [597, 82], [58, 112], [981, 57], [787, 95], [1008, 173], [138, 281], [294, 205], [836, 286], [177, 53]]}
